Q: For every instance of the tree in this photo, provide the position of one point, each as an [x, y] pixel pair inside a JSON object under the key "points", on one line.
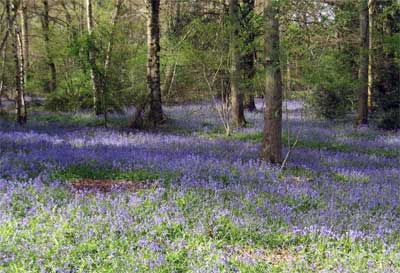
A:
{"points": [[94, 73], [371, 14], [25, 36], [114, 20], [45, 19], [235, 70], [174, 27], [155, 115], [14, 30], [3, 68], [272, 143], [248, 59], [362, 105]]}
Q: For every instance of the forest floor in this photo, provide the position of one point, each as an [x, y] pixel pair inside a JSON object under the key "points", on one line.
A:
{"points": [[75, 197]]}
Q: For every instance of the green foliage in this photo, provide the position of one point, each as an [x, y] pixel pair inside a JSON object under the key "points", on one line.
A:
{"points": [[200, 53], [73, 94], [388, 117], [310, 143], [80, 119], [387, 80], [92, 171], [334, 86], [321, 56]]}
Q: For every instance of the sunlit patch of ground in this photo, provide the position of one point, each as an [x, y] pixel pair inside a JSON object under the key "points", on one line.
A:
{"points": [[104, 186]]}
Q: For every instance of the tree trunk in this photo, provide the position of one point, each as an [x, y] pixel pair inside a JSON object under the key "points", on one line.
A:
{"points": [[155, 115], [52, 84], [114, 20], [18, 59], [249, 58], [272, 144], [173, 30], [250, 103], [25, 37], [3, 70], [236, 93], [166, 88], [370, 54], [92, 60], [362, 105]]}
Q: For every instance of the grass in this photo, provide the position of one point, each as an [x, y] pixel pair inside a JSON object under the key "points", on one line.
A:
{"points": [[314, 144], [93, 171], [70, 119], [79, 119]]}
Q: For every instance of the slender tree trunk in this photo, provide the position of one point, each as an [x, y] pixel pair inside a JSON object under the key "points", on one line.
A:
{"points": [[272, 144], [370, 53], [249, 58], [4, 40], [18, 59], [52, 84], [173, 30], [298, 75], [25, 36], [92, 60], [362, 105], [114, 20], [288, 77], [3, 70], [170, 72], [236, 93], [155, 115]]}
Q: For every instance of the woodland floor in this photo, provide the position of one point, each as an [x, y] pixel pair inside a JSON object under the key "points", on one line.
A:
{"points": [[75, 197]]}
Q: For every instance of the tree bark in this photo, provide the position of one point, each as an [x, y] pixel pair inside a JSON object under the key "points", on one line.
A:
{"points": [[272, 144], [18, 59], [4, 40], [371, 4], [25, 37], [362, 105], [155, 115], [250, 103], [52, 84], [92, 60], [249, 58], [3, 70], [235, 78]]}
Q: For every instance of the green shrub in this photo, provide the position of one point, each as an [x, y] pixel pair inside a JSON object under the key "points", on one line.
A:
{"points": [[334, 87]]}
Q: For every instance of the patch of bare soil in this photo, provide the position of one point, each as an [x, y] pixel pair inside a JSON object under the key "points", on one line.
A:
{"points": [[105, 186], [275, 256]]}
